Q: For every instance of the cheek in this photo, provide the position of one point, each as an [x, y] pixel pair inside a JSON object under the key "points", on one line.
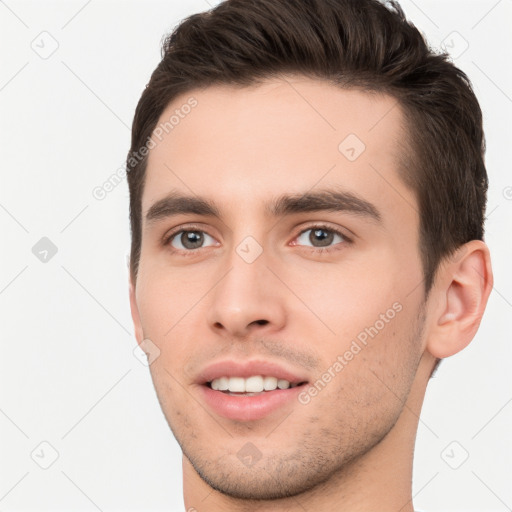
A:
{"points": [[350, 295], [166, 294], [166, 308], [365, 315], [386, 365], [375, 373]]}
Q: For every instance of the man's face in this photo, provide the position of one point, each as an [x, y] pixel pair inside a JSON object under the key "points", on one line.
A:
{"points": [[335, 313]]}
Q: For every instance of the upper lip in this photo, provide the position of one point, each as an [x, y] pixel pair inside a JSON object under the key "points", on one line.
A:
{"points": [[231, 368]]}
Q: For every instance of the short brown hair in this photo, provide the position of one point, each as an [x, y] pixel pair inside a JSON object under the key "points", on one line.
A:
{"points": [[362, 44]]}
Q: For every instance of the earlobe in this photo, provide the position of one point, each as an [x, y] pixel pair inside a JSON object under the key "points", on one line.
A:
{"points": [[137, 326], [464, 285]]}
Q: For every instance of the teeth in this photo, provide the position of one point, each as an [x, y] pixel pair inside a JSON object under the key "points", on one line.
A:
{"points": [[221, 384], [269, 383], [283, 384], [253, 384], [236, 384]]}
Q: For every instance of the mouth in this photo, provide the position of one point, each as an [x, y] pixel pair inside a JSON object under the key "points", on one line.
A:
{"points": [[249, 390], [252, 398], [255, 385]]}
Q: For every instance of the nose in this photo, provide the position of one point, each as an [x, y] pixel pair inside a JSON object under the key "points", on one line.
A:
{"points": [[248, 298]]}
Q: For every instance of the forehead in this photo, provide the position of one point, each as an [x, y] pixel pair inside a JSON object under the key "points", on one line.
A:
{"points": [[240, 146]]}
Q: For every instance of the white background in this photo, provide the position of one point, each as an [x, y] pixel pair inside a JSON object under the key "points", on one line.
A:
{"points": [[68, 374]]}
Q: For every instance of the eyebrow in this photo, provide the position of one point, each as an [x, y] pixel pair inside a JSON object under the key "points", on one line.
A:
{"points": [[329, 200]]}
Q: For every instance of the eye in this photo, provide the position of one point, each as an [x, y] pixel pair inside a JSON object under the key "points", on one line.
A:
{"points": [[188, 240], [321, 237]]}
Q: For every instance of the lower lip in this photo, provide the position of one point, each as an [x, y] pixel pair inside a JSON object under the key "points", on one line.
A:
{"points": [[249, 408]]}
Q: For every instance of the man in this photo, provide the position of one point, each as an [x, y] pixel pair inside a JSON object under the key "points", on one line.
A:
{"points": [[307, 195]]}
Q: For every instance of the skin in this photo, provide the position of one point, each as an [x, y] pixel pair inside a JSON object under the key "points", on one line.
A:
{"points": [[351, 447]]}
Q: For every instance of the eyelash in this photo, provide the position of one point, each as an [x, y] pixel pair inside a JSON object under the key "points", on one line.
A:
{"points": [[316, 250]]}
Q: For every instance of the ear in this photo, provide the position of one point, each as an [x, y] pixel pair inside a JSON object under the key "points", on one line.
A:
{"points": [[462, 289], [137, 326]]}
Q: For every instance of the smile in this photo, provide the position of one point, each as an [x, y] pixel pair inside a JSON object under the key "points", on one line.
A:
{"points": [[252, 403]]}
